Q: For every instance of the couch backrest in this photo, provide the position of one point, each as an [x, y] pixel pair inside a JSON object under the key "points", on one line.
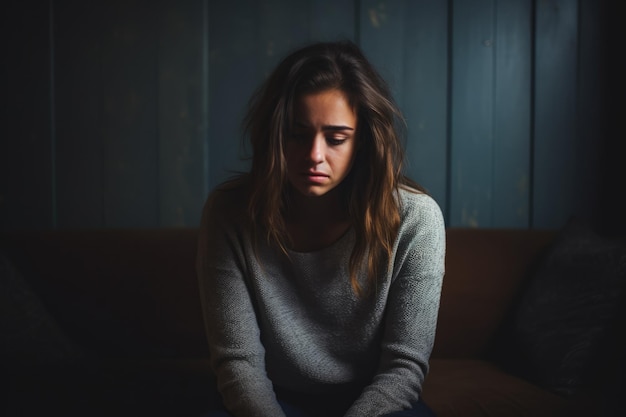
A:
{"points": [[134, 292], [121, 292], [485, 271]]}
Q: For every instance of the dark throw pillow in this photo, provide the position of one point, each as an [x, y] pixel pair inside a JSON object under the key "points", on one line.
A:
{"points": [[29, 335], [570, 308]]}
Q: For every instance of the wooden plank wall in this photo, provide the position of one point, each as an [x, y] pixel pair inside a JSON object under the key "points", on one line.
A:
{"points": [[26, 143], [125, 114]]}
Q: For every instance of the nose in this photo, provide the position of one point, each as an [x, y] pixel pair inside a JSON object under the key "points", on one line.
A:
{"points": [[317, 150]]}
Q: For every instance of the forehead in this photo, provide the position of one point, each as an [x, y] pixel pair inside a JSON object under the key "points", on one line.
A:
{"points": [[328, 106]]}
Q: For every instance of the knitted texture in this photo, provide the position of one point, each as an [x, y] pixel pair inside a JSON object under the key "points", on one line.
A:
{"points": [[295, 322]]}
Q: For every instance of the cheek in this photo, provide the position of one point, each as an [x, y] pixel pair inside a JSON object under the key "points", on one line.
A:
{"points": [[291, 156], [350, 156]]}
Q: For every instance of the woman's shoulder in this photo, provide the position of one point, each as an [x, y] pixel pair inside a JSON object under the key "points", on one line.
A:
{"points": [[414, 199], [416, 206]]}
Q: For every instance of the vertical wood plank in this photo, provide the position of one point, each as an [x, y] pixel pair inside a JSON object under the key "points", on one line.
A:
{"points": [[182, 120], [471, 199], [407, 42], [283, 26], [78, 110], [106, 121], [555, 192], [26, 151], [425, 103], [614, 160], [512, 114], [382, 37], [129, 67], [233, 75], [592, 108]]}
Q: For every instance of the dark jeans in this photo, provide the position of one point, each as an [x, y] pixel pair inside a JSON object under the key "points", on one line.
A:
{"points": [[419, 410]]}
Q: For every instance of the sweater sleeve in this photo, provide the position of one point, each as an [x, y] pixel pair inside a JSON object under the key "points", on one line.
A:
{"points": [[237, 355], [411, 316]]}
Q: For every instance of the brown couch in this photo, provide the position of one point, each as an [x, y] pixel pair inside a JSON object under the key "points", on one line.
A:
{"points": [[128, 301]]}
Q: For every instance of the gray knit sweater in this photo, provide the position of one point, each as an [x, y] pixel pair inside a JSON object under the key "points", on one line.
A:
{"points": [[296, 323]]}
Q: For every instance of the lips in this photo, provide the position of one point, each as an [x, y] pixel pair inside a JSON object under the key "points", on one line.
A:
{"points": [[315, 176]]}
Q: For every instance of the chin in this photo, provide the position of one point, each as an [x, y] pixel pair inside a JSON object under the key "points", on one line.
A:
{"points": [[313, 193], [310, 190]]}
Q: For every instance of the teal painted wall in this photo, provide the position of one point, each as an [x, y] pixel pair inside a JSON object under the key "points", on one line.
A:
{"points": [[126, 113]]}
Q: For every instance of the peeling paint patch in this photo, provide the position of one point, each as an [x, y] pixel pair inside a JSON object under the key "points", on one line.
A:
{"points": [[374, 18], [522, 185], [469, 219], [378, 15]]}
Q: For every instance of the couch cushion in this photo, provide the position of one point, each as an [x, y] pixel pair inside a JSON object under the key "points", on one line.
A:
{"points": [[468, 388]]}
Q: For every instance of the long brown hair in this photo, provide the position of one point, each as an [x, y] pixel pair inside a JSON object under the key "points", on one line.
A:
{"points": [[371, 187]]}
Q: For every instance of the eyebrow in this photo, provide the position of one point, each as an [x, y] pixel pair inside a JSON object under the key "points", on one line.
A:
{"points": [[332, 128]]}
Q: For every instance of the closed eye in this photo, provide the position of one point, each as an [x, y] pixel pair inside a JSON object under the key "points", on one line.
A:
{"points": [[335, 141]]}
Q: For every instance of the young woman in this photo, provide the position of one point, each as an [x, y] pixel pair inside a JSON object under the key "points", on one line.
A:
{"points": [[321, 269]]}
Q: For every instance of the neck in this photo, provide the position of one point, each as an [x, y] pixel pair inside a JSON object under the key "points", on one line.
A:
{"points": [[314, 223], [328, 208]]}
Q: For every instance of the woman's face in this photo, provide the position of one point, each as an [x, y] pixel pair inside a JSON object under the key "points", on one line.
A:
{"points": [[321, 148]]}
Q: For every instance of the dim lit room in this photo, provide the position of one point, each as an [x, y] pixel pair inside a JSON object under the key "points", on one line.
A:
{"points": [[126, 126]]}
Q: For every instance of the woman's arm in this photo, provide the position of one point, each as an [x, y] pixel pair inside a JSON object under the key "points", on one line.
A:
{"points": [[236, 352], [411, 316]]}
